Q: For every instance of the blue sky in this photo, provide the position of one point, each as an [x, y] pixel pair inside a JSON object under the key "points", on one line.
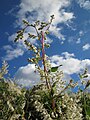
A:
{"points": [[69, 35]]}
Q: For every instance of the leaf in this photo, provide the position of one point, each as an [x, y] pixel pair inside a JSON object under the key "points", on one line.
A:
{"points": [[47, 32], [88, 84], [86, 70], [85, 76], [40, 28], [16, 39], [32, 25], [26, 22], [54, 84], [29, 60], [18, 32], [43, 23], [27, 43], [45, 38], [54, 69], [32, 36], [37, 22], [39, 37], [52, 16], [80, 76], [47, 45]]}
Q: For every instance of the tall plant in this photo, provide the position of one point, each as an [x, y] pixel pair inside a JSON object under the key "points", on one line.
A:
{"points": [[39, 55], [41, 29]]}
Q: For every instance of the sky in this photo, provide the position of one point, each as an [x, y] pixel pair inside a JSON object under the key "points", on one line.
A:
{"points": [[69, 36]]}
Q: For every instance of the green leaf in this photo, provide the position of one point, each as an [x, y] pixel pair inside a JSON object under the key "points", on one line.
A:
{"points": [[52, 16], [43, 23], [18, 32], [25, 22], [54, 69], [88, 84], [88, 112], [29, 59], [86, 70], [80, 76], [37, 22], [54, 84], [85, 76], [39, 37], [16, 39], [47, 32], [32, 36], [47, 45], [27, 43], [40, 28]]}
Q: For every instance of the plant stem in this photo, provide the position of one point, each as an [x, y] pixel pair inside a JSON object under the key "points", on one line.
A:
{"points": [[43, 59]]}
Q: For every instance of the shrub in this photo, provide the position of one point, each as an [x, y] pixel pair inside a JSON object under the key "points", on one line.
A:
{"points": [[12, 101]]}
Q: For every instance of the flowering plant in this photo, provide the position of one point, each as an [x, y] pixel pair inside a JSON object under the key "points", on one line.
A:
{"points": [[54, 98]]}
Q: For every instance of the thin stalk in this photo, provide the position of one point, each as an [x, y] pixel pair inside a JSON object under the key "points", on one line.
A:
{"points": [[43, 58]]}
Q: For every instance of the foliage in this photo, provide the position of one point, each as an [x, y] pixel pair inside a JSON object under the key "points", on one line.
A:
{"points": [[12, 101], [3, 69], [12, 97], [38, 106], [85, 100]]}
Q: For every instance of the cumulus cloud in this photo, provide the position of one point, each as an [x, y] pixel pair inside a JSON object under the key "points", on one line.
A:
{"points": [[12, 53], [84, 4], [71, 65], [37, 10], [26, 76], [86, 47], [33, 10], [68, 55], [43, 10]]}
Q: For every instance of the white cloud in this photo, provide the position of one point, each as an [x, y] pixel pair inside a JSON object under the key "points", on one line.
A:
{"points": [[71, 65], [12, 53], [78, 41], [37, 10], [84, 4], [86, 47], [16, 49], [77, 37], [81, 33], [26, 76], [68, 55], [32, 10]]}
